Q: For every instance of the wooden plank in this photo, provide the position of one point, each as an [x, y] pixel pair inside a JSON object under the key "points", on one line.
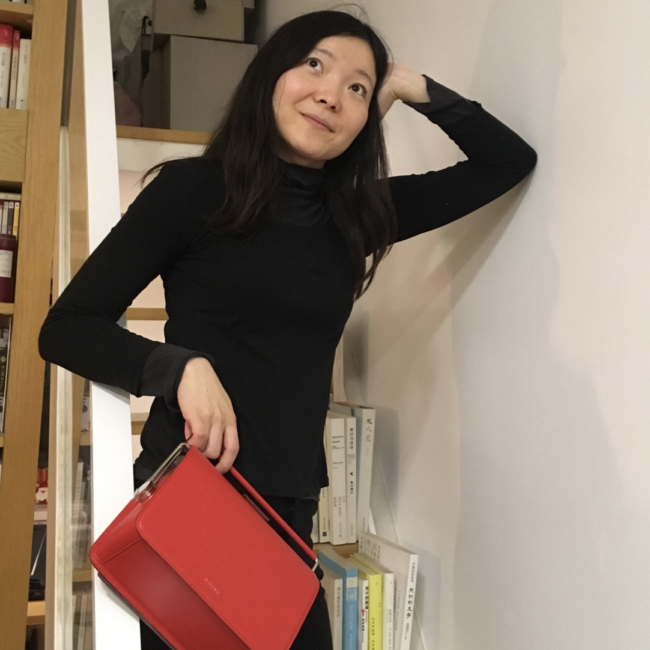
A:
{"points": [[17, 14], [6, 308], [13, 144], [35, 614], [26, 368], [162, 135], [146, 313]]}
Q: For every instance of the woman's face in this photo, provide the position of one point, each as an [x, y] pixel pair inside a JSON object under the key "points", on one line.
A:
{"points": [[322, 104]]}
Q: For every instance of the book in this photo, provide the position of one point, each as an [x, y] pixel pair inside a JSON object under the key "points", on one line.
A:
{"points": [[83, 610], [333, 586], [404, 565], [6, 45], [335, 455], [351, 477], [13, 77], [324, 515], [365, 416], [388, 600], [329, 558], [16, 217], [5, 342], [10, 217], [22, 83], [5, 217], [375, 602]]}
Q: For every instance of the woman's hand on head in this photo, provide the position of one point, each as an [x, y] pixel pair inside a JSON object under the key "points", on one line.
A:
{"points": [[210, 423], [404, 84]]}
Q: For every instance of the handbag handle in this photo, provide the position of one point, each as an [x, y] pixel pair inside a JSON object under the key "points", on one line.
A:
{"points": [[274, 515]]}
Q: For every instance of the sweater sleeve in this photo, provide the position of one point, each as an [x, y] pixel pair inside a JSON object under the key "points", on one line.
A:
{"points": [[81, 332], [497, 159]]}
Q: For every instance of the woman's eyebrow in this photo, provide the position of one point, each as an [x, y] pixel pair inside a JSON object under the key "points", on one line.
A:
{"points": [[358, 71]]}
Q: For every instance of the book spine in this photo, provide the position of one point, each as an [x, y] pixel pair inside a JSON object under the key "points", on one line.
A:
{"points": [[351, 614], [23, 73], [409, 610], [16, 217], [389, 609], [335, 435], [4, 358], [365, 445], [10, 217], [351, 477], [337, 622], [13, 79], [375, 612], [363, 614], [324, 516], [6, 44], [5, 217], [3, 222]]}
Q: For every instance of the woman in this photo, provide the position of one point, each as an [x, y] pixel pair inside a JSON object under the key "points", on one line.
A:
{"points": [[262, 244]]}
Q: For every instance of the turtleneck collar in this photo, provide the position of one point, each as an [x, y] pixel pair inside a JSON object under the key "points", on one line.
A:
{"points": [[301, 194]]}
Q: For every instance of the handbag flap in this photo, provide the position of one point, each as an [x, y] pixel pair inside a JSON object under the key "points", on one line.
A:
{"points": [[228, 554]]}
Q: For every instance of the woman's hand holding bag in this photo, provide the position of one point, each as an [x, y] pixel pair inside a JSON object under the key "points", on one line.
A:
{"points": [[210, 422]]}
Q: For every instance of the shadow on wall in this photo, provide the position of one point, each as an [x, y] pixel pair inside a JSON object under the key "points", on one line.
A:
{"points": [[542, 514]]}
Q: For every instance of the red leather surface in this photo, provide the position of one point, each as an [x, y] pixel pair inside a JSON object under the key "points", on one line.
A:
{"points": [[203, 568]]}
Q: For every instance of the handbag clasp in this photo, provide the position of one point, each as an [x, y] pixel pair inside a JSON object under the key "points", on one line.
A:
{"points": [[149, 487]]}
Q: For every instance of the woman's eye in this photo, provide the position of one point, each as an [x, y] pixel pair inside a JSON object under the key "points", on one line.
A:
{"points": [[313, 63], [358, 88]]}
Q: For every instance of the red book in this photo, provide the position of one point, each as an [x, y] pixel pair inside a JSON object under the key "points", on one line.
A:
{"points": [[6, 43], [7, 267]]}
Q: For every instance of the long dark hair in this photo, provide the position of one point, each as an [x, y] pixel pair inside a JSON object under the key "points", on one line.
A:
{"points": [[245, 146]]}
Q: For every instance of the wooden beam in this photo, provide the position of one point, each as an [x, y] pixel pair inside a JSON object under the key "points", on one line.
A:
{"points": [[26, 368], [162, 135]]}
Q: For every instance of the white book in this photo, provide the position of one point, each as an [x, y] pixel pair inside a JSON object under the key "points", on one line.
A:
{"points": [[5, 216], [363, 614], [24, 61], [6, 44], [324, 515], [333, 586], [365, 416], [335, 443], [13, 78], [388, 599], [404, 565], [351, 476]]}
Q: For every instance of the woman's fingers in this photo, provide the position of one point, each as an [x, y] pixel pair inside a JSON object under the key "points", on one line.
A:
{"points": [[230, 448]]}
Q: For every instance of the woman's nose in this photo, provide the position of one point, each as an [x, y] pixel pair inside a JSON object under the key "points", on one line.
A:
{"points": [[329, 95]]}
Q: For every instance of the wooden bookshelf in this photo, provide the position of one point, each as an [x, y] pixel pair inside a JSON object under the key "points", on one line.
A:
{"points": [[6, 308], [146, 313], [17, 14], [346, 550], [35, 613], [29, 163]]}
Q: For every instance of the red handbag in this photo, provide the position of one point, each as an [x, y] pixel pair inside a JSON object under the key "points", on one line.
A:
{"points": [[197, 561]]}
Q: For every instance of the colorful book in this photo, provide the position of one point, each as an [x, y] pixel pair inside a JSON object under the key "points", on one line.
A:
{"points": [[375, 606], [13, 78], [365, 416], [404, 565], [335, 455], [348, 572], [333, 586], [388, 601]]}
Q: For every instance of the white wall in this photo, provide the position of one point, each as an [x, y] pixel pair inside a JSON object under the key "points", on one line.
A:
{"points": [[509, 351]]}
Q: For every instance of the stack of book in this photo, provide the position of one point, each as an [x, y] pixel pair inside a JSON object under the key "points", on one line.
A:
{"points": [[344, 506], [370, 595], [15, 56]]}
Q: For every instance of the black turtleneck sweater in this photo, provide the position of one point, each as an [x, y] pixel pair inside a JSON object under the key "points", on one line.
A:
{"points": [[267, 312]]}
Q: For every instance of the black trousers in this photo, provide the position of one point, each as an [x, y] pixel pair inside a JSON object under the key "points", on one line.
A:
{"points": [[315, 634]]}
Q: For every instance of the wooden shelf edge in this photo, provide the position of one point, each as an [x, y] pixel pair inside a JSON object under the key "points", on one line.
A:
{"points": [[162, 135], [146, 313], [6, 308], [346, 550]]}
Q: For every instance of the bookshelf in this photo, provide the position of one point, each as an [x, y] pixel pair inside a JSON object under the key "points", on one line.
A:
{"points": [[29, 152]]}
